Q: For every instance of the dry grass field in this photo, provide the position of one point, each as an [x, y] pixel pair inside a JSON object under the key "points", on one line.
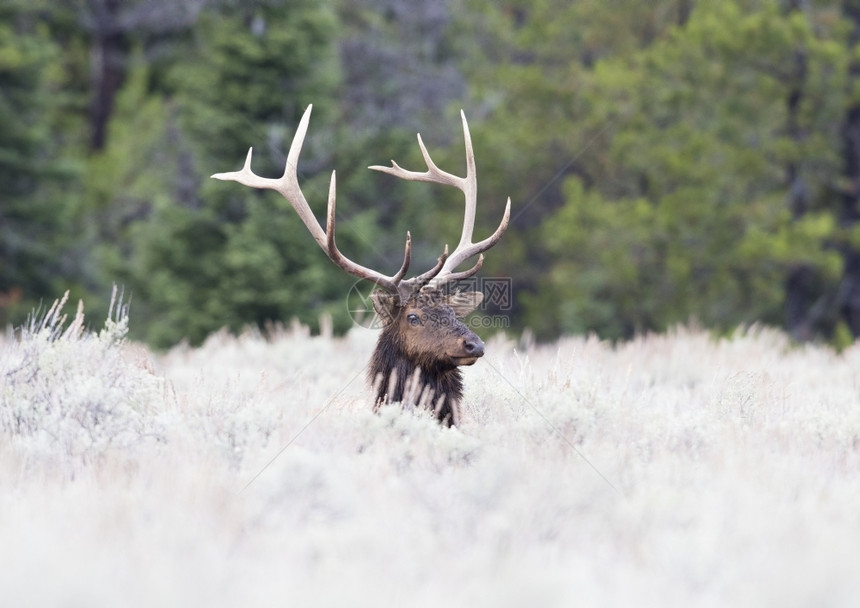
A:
{"points": [[674, 470]]}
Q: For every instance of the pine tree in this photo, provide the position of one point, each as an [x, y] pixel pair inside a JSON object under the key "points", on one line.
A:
{"points": [[34, 211]]}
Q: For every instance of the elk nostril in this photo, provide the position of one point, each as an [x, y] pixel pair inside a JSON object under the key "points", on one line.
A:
{"points": [[475, 348]]}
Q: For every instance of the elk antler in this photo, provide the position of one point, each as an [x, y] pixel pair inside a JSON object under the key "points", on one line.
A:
{"points": [[443, 272], [288, 187]]}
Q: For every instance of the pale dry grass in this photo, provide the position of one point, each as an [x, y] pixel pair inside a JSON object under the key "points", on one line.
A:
{"points": [[674, 470]]}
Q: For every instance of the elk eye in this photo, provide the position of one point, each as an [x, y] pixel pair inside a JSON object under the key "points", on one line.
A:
{"points": [[413, 319]]}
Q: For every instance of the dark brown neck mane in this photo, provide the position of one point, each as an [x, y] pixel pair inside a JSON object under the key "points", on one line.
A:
{"points": [[392, 374]]}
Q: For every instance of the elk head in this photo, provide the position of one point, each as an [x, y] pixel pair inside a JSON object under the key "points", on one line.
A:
{"points": [[423, 340]]}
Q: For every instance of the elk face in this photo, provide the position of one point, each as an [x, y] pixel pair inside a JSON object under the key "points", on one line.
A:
{"points": [[429, 330], [422, 344]]}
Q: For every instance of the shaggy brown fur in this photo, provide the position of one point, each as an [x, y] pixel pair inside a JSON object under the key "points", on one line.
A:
{"points": [[420, 348]]}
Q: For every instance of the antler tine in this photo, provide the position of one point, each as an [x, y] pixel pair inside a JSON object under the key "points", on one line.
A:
{"points": [[288, 186], [423, 279], [463, 253], [407, 257], [456, 276], [433, 174], [469, 186], [470, 190]]}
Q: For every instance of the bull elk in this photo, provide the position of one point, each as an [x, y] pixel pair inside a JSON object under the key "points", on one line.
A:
{"points": [[423, 340]]}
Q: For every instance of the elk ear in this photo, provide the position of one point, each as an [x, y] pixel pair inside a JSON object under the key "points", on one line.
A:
{"points": [[464, 302], [385, 305]]}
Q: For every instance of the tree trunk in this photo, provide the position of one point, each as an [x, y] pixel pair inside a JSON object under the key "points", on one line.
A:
{"points": [[800, 284], [849, 289], [112, 25], [107, 61], [685, 7]]}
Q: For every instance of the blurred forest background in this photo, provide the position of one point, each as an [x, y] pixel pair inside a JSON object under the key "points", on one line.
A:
{"points": [[667, 160]]}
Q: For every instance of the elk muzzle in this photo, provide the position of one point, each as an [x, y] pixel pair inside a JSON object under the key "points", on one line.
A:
{"points": [[471, 349]]}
